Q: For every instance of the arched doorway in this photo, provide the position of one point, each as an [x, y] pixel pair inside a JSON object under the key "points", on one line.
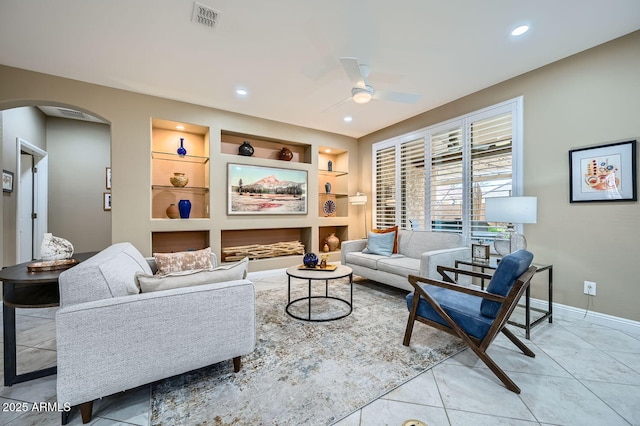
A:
{"points": [[77, 148]]}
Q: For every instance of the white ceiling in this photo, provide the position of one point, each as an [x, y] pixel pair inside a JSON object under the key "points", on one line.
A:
{"points": [[286, 52]]}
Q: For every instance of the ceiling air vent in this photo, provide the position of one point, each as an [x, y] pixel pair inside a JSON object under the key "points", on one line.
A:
{"points": [[205, 15], [70, 113]]}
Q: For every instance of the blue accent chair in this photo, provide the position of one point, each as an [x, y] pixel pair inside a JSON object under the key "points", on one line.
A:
{"points": [[476, 316]]}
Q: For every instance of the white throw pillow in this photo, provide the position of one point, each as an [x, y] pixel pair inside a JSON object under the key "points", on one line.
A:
{"points": [[159, 282]]}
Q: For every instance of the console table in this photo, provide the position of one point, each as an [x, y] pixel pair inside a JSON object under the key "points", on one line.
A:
{"points": [[492, 264], [24, 289]]}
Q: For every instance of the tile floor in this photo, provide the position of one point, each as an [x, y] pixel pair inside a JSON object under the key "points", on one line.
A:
{"points": [[583, 374]]}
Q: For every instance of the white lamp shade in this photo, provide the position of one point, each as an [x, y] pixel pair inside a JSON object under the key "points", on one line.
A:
{"points": [[511, 209], [358, 199]]}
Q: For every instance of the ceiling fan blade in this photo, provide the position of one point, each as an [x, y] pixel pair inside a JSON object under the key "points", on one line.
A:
{"points": [[352, 68], [338, 104], [404, 98]]}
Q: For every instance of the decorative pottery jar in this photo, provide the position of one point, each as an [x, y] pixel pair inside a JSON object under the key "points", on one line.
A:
{"points": [[327, 187], [173, 212], [184, 206], [325, 248], [330, 166], [55, 248], [285, 154], [179, 180], [245, 149], [333, 242], [310, 260], [182, 150]]}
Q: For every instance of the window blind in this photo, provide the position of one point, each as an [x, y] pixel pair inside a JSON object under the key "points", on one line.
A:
{"points": [[385, 188], [438, 178], [412, 184]]}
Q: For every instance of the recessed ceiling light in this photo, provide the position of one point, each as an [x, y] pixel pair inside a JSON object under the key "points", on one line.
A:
{"points": [[348, 119], [180, 127], [520, 30], [242, 92], [327, 150]]}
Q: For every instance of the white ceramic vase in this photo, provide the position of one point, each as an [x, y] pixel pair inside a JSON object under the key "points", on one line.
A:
{"points": [[55, 248]]}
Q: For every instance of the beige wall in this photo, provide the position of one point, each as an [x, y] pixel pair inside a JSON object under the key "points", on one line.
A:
{"points": [[588, 99], [130, 115], [29, 124], [79, 153]]}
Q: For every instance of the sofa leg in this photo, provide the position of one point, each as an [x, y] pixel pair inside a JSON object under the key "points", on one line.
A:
{"points": [[65, 417], [85, 411], [237, 364]]}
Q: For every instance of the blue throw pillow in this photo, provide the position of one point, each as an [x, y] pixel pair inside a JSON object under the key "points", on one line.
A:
{"points": [[381, 244]]}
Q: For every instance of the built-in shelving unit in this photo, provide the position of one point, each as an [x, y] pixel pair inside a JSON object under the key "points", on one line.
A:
{"points": [[333, 193], [266, 148], [170, 235], [210, 224], [165, 161]]}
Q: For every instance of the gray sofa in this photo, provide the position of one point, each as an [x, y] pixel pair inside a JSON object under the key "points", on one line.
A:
{"points": [[111, 338], [419, 253]]}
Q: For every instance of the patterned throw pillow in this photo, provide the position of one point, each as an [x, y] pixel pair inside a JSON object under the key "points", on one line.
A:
{"points": [[183, 261]]}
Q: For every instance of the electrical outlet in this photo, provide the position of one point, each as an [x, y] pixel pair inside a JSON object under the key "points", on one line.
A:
{"points": [[590, 288]]}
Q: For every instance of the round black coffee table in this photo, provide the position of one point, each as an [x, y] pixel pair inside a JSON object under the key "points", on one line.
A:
{"points": [[319, 275]]}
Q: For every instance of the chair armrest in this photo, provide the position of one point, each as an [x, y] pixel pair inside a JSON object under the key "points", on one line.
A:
{"points": [[430, 260], [415, 281], [442, 270], [109, 345], [350, 247]]}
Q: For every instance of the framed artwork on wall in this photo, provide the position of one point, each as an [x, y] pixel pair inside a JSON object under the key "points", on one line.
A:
{"points": [[7, 181], [259, 190], [108, 178], [106, 201], [603, 173]]}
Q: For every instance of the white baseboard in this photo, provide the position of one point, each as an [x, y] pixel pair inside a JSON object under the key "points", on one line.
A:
{"points": [[569, 312]]}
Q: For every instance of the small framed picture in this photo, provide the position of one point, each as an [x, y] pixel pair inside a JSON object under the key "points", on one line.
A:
{"points": [[603, 173], [106, 201], [7, 181], [108, 178]]}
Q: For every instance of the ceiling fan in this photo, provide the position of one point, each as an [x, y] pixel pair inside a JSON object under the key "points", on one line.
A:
{"points": [[362, 91]]}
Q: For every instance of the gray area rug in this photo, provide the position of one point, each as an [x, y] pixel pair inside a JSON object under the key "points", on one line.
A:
{"points": [[303, 372]]}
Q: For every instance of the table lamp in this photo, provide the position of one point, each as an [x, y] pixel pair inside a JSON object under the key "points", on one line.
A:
{"points": [[511, 210]]}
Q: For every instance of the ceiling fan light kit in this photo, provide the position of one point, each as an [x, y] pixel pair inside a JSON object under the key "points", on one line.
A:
{"points": [[362, 95]]}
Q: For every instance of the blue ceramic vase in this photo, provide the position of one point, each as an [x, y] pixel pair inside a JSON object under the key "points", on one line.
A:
{"points": [[184, 206], [182, 151], [310, 260]]}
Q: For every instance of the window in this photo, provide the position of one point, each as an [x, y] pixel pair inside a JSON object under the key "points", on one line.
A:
{"points": [[469, 159]]}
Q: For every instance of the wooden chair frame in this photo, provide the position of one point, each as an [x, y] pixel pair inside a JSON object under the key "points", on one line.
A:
{"points": [[479, 347]]}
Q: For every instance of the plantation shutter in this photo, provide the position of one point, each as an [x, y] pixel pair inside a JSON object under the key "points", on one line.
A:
{"points": [[385, 187], [412, 185], [446, 186], [438, 178], [491, 167]]}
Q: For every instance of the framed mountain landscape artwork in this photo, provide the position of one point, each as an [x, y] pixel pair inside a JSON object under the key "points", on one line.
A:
{"points": [[258, 190]]}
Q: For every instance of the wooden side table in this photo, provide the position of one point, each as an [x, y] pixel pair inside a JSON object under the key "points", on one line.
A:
{"points": [[24, 289], [492, 264]]}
